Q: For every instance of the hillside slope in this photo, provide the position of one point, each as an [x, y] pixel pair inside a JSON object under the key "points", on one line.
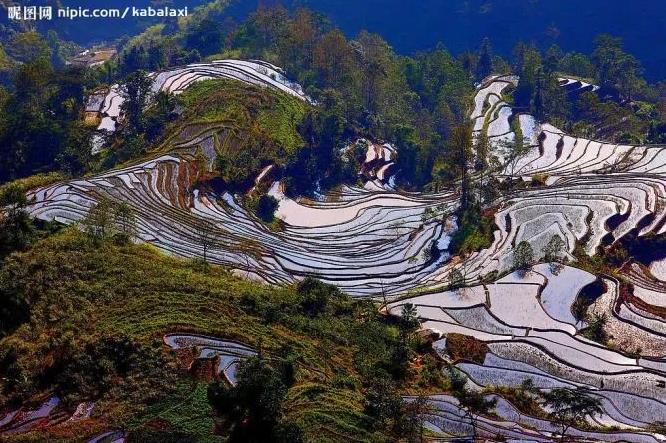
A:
{"points": [[115, 303]]}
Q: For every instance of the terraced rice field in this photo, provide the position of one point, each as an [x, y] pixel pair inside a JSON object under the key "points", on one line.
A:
{"points": [[376, 241], [47, 414], [175, 81], [226, 354], [532, 335]]}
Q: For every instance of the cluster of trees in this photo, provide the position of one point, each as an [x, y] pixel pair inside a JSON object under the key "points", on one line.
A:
{"points": [[17, 230], [362, 86], [110, 220], [146, 115], [252, 410], [554, 253], [381, 362], [41, 100], [23, 45], [40, 128], [413, 101], [625, 108]]}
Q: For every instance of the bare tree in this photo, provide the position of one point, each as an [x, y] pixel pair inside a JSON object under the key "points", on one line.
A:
{"points": [[207, 236]]}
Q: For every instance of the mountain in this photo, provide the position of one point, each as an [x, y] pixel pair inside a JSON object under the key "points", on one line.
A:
{"points": [[459, 24]]}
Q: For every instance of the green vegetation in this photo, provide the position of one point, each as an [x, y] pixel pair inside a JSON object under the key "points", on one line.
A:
{"points": [[625, 109], [472, 402], [82, 314], [475, 232], [89, 317], [273, 116], [362, 86], [39, 126], [554, 253], [264, 207], [571, 407], [523, 256], [252, 410], [255, 126]]}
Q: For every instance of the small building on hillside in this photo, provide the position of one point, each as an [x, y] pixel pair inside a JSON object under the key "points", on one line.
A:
{"points": [[92, 113], [92, 57]]}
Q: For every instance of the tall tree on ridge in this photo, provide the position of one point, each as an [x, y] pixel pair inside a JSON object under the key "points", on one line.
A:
{"points": [[485, 63]]}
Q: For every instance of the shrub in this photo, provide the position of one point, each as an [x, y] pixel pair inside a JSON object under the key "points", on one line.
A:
{"points": [[464, 347], [475, 232], [596, 329], [523, 256], [252, 410], [383, 403], [456, 279], [266, 207]]}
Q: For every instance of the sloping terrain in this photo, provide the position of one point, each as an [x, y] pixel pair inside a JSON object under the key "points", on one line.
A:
{"points": [[372, 242], [140, 334]]}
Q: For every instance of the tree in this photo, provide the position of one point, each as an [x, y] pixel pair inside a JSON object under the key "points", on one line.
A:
{"points": [[527, 60], [134, 59], [485, 64], [456, 279], [415, 413], [333, 58], [472, 402], [376, 62], [28, 46], [296, 45], [538, 105], [551, 61], [460, 146], [577, 64], [513, 151], [57, 52], [482, 151], [616, 70], [99, 224], [409, 318], [569, 407], [38, 120], [133, 145], [136, 92], [206, 235], [208, 36], [251, 411], [76, 156], [383, 403], [17, 230], [316, 296], [266, 207], [158, 114], [523, 257], [553, 253], [125, 221], [596, 329]]}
